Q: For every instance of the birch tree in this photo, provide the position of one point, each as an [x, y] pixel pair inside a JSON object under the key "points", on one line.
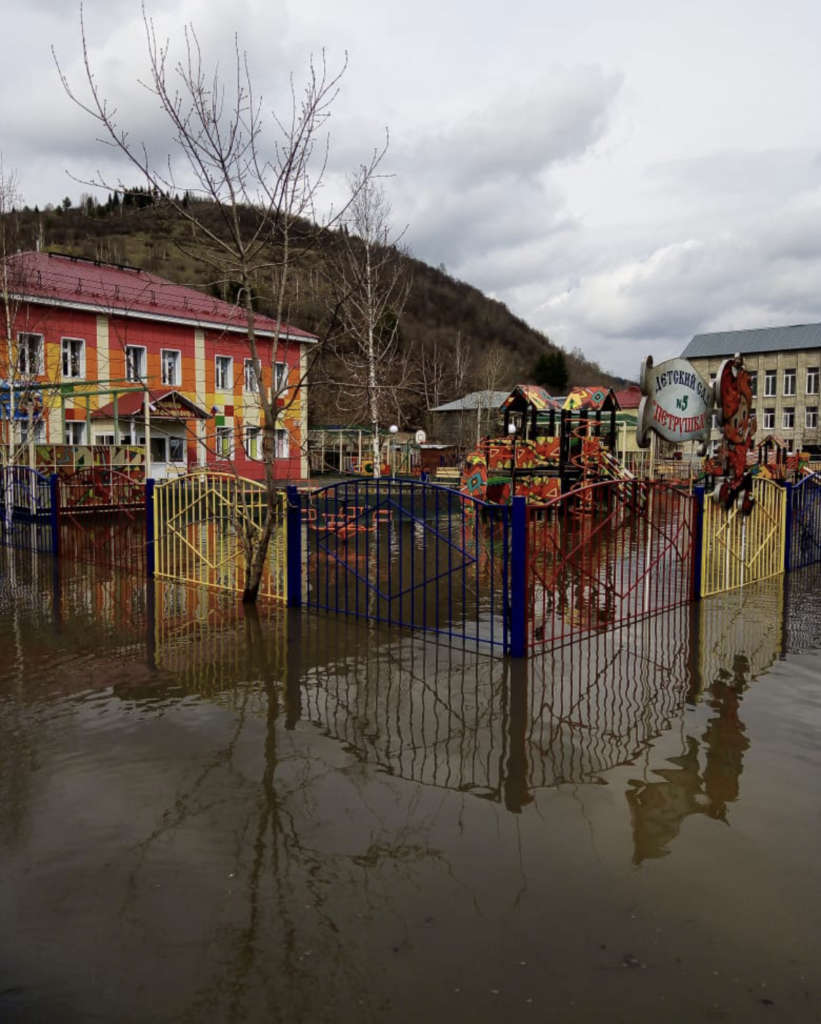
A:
{"points": [[259, 170], [372, 275]]}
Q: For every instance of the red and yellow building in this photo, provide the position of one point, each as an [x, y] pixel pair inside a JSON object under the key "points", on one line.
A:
{"points": [[95, 329]]}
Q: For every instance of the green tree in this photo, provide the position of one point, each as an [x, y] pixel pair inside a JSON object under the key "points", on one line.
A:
{"points": [[550, 370]]}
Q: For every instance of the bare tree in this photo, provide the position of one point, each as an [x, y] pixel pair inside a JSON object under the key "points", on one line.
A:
{"points": [[371, 272], [259, 171]]}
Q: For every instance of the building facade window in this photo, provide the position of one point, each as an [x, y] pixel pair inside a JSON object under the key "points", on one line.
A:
{"points": [[788, 418], [812, 380], [170, 367], [280, 376], [30, 354], [769, 383], [38, 431], [250, 382], [252, 442], [176, 449], [769, 419], [754, 382], [789, 382], [73, 353], [224, 373], [104, 439], [811, 417], [135, 362], [714, 421], [75, 432], [223, 444], [282, 447]]}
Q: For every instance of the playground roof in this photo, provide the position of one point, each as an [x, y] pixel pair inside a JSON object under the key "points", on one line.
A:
{"points": [[165, 405], [760, 339], [475, 400], [530, 394], [72, 281], [594, 398]]}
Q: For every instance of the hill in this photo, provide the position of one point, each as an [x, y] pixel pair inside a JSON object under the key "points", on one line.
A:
{"points": [[453, 338]]}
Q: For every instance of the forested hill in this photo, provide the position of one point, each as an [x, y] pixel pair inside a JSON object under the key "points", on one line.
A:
{"points": [[453, 339]]}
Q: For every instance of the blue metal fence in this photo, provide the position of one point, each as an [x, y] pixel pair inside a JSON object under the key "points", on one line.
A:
{"points": [[27, 509], [803, 542], [410, 554]]}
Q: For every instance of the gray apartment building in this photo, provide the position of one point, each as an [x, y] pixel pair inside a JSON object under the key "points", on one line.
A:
{"points": [[784, 364]]}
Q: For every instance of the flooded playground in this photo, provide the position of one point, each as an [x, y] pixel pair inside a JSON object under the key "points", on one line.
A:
{"points": [[297, 817]]}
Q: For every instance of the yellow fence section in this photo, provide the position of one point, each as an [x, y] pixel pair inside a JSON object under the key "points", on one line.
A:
{"points": [[737, 549], [207, 525]]}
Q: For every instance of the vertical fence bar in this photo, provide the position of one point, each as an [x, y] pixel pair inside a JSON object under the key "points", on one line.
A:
{"points": [[698, 494], [788, 488], [54, 487], [518, 579], [293, 547], [149, 527]]}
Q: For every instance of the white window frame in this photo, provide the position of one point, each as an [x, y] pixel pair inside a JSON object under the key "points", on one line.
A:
{"points": [[224, 434], [24, 340], [253, 443], [224, 368], [768, 419], [788, 418], [72, 430], [754, 383], [39, 431], [813, 375], [280, 377], [789, 382], [132, 372], [811, 417], [249, 378], [282, 444], [65, 349], [173, 440], [104, 439], [177, 363], [770, 383]]}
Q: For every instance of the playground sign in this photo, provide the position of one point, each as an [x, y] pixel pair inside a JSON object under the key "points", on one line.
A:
{"points": [[677, 402]]}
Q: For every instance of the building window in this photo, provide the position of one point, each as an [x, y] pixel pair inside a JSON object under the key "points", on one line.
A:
{"points": [[789, 382], [158, 449], [280, 377], [788, 418], [170, 367], [134, 362], [176, 449], [250, 375], [223, 442], [714, 421], [104, 439], [769, 383], [754, 383], [73, 351], [224, 366], [769, 419], [252, 437], [29, 354], [812, 380], [39, 432], [282, 449], [75, 432], [811, 417]]}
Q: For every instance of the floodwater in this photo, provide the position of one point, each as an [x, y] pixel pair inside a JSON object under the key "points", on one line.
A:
{"points": [[207, 817]]}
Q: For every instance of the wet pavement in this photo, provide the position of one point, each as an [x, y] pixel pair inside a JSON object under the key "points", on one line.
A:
{"points": [[284, 817]]}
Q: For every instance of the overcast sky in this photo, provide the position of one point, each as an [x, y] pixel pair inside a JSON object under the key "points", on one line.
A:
{"points": [[622, 176]]}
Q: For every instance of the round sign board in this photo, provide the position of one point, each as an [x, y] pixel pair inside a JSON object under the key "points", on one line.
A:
{"points": [[420, 436]]}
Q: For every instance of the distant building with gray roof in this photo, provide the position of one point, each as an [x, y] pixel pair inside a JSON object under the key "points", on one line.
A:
{"points": [[785, 367], [466, 419]]}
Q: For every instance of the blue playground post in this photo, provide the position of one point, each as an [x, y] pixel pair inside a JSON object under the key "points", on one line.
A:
{"points": [[149, 527], [518, 579], [698, 494], [788, 487], [293, 547], [54, 488]]}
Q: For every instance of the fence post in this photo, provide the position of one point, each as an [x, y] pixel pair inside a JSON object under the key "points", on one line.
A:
{"points": [[788, 487], [54, 488], [293, 547], [698, 494], [150, 527], [518, 579]]}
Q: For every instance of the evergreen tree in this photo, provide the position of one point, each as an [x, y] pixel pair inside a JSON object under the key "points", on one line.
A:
{"points": [[550, 371]]}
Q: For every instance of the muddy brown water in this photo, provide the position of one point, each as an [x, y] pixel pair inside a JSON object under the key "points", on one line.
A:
{"points": [[212, 817]]}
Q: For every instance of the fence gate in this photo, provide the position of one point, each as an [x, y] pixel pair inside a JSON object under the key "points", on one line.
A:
{"points": [[203, 524], [410, 554], [736, 549], [804, 523], [26, 504], [606, 554]]}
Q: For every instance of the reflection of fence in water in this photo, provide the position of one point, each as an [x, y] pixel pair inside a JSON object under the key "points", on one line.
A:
{"points": [[802, 604], [596, 703], [114, 539]]}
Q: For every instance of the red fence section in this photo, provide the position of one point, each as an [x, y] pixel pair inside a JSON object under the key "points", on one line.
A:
{"points": [[606, 554]]}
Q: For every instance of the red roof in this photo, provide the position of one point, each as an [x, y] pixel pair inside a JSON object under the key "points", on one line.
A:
{"points": [[86, 283], [164, 405], [630, 397]]}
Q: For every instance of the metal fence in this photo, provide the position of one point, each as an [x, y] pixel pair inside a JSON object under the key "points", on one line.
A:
{"points": [[804, 523], [209, 526]]}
